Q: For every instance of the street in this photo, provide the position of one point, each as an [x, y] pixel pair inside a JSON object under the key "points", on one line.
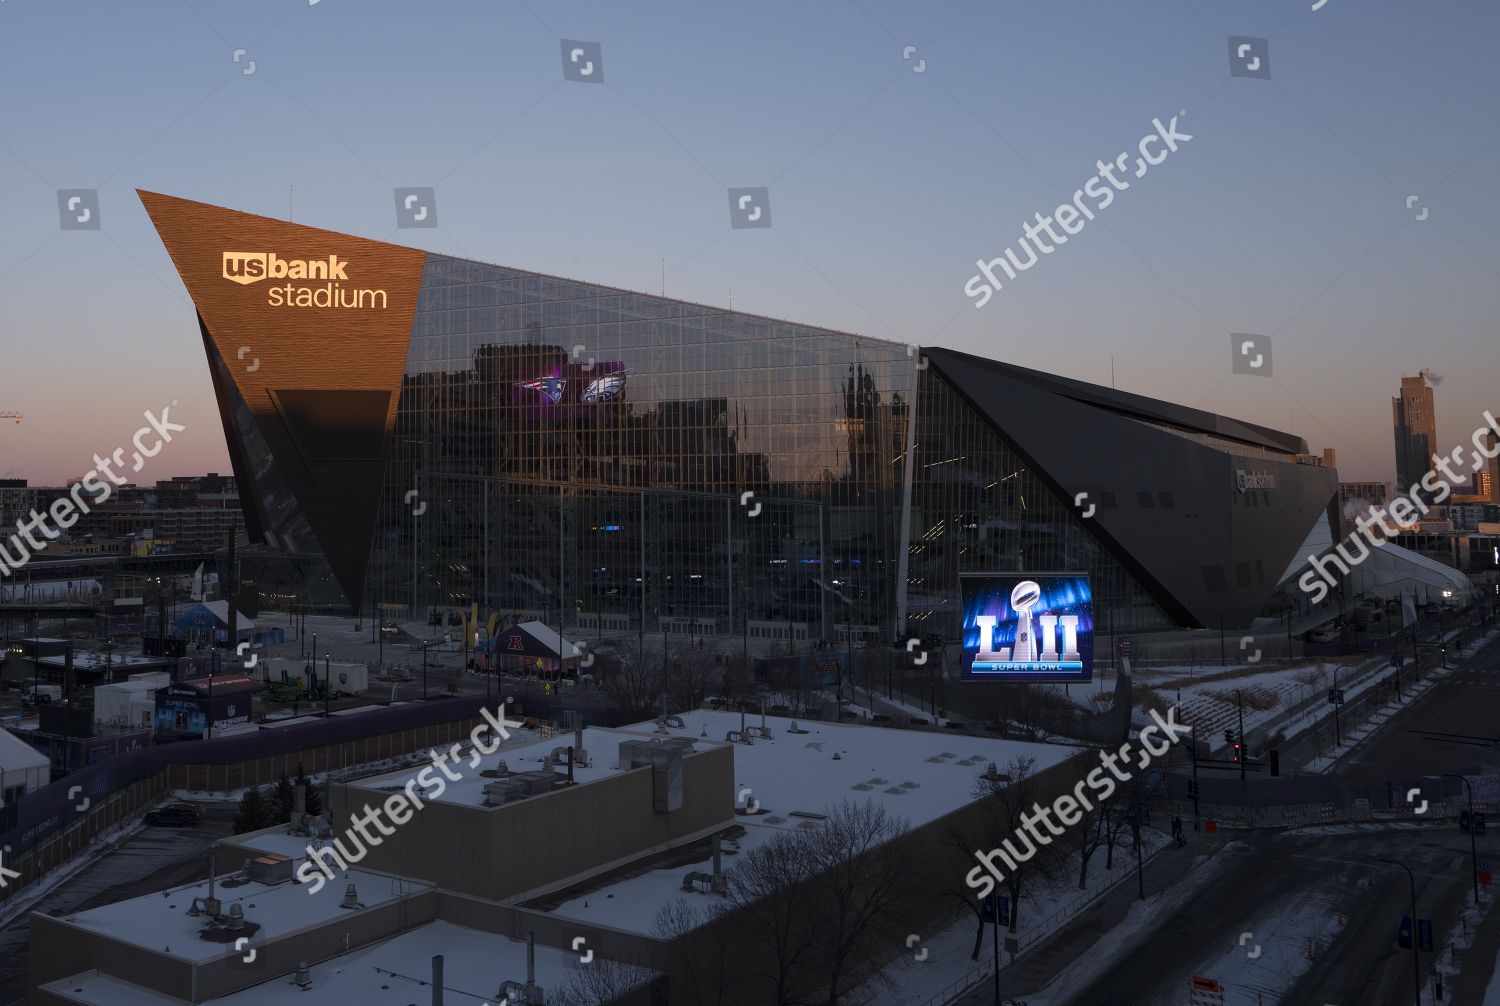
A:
{"points": [[1337, 902]]}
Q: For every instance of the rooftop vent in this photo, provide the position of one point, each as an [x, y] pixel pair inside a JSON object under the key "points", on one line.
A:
{"points": [[303, 977], [351, 897], [236, 917], [272, 868]]}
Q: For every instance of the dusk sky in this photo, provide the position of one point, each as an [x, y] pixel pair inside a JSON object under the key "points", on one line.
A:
{"points": [[1286, 215]]}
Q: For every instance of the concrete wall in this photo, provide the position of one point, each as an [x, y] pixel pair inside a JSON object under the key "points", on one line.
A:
{"points": [[725, 952], [541, 843]]}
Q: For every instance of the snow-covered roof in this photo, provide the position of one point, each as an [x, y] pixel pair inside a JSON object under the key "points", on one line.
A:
{"points": [[16, 754], [398, 970], [524, 752], [918, 775], [138, 683], [91, 660], [160, 921]]}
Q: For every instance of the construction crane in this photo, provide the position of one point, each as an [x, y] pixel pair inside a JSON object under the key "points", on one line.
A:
{"points": [[11, 415]]}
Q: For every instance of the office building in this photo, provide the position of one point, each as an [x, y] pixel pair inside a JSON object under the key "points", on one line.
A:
{"points": [[1414, 418]]}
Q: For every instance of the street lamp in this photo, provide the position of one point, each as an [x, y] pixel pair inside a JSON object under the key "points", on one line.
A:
{"points": [[1133, 818], [1473, 843], [1416, 960], [1337, 741], [327, 685]]}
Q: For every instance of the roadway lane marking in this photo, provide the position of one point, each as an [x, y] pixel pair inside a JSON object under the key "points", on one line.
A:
{"points": [[1357, 863]]}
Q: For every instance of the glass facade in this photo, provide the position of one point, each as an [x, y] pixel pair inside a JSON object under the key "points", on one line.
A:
{"points": [[624, 462], [977, 508], [621, 460]]}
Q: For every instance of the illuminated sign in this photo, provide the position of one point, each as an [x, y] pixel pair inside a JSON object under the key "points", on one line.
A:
{"points": [[1027, 627], [552, 388], [602, 389], [244, 268]]}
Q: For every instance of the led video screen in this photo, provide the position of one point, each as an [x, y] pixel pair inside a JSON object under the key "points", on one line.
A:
{"points": [[1027, 627]]}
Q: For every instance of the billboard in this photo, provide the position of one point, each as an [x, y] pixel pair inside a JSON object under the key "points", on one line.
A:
{"points": [[1027, 627]]}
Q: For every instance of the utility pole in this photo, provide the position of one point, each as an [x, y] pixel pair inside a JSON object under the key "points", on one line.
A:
{"points": [[1244, 745], [995, 902], [1337, 738], [1133, 816], [1193, 750]]}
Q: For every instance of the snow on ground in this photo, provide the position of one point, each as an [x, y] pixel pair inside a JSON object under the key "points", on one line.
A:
{"points": [[947, 965], [1212, 708], [1271, 954], [1135, 929]]}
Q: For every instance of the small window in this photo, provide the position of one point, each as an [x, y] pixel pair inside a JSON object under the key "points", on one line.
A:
{"points": [[1145, 500]]}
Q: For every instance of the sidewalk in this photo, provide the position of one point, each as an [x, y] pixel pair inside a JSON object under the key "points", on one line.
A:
{"points": [[1474, 982], [1104, 917], [1391, 706]]}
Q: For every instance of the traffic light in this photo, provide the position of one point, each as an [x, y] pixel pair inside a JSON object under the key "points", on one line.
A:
{"points": [[1236, 752], [1274, 756], [1192, 787], [1228, 736]]}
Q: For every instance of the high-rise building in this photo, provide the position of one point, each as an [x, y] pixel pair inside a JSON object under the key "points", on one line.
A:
{"points": [[1414, 417], [1487, 480], [410, 430]]}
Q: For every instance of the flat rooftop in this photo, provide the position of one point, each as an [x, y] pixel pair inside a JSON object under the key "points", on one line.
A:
{"points": [[525, 751], [918, 775], [94, 661], [160, 922], [397, 972]]}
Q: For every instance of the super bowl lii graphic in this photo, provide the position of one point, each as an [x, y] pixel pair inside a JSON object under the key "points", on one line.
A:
{"points": [[1027, 627]]}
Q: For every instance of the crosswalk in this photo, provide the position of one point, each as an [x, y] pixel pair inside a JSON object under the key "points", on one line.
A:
{"points": [[1483, 677], [1425, 859]]}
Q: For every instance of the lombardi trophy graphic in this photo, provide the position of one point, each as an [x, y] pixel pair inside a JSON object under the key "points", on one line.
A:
{"points": [[1023, 598], [1044, 640]]}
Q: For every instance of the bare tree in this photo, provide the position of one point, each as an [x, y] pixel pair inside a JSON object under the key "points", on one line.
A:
{"points": [[1005, 797], [1089, 833], [768, 891], [632, 680], [1115, 823], [862, 886], [599, 983], [737, 684], [703, 965], [689, 672], [1026, 712]]}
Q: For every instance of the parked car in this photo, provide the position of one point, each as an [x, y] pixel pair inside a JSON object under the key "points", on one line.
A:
{"points": [[173, 815], [39, 694], [1323, 634]]}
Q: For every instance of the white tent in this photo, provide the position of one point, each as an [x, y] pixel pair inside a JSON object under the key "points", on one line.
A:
{"points": [[21, 766]]}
